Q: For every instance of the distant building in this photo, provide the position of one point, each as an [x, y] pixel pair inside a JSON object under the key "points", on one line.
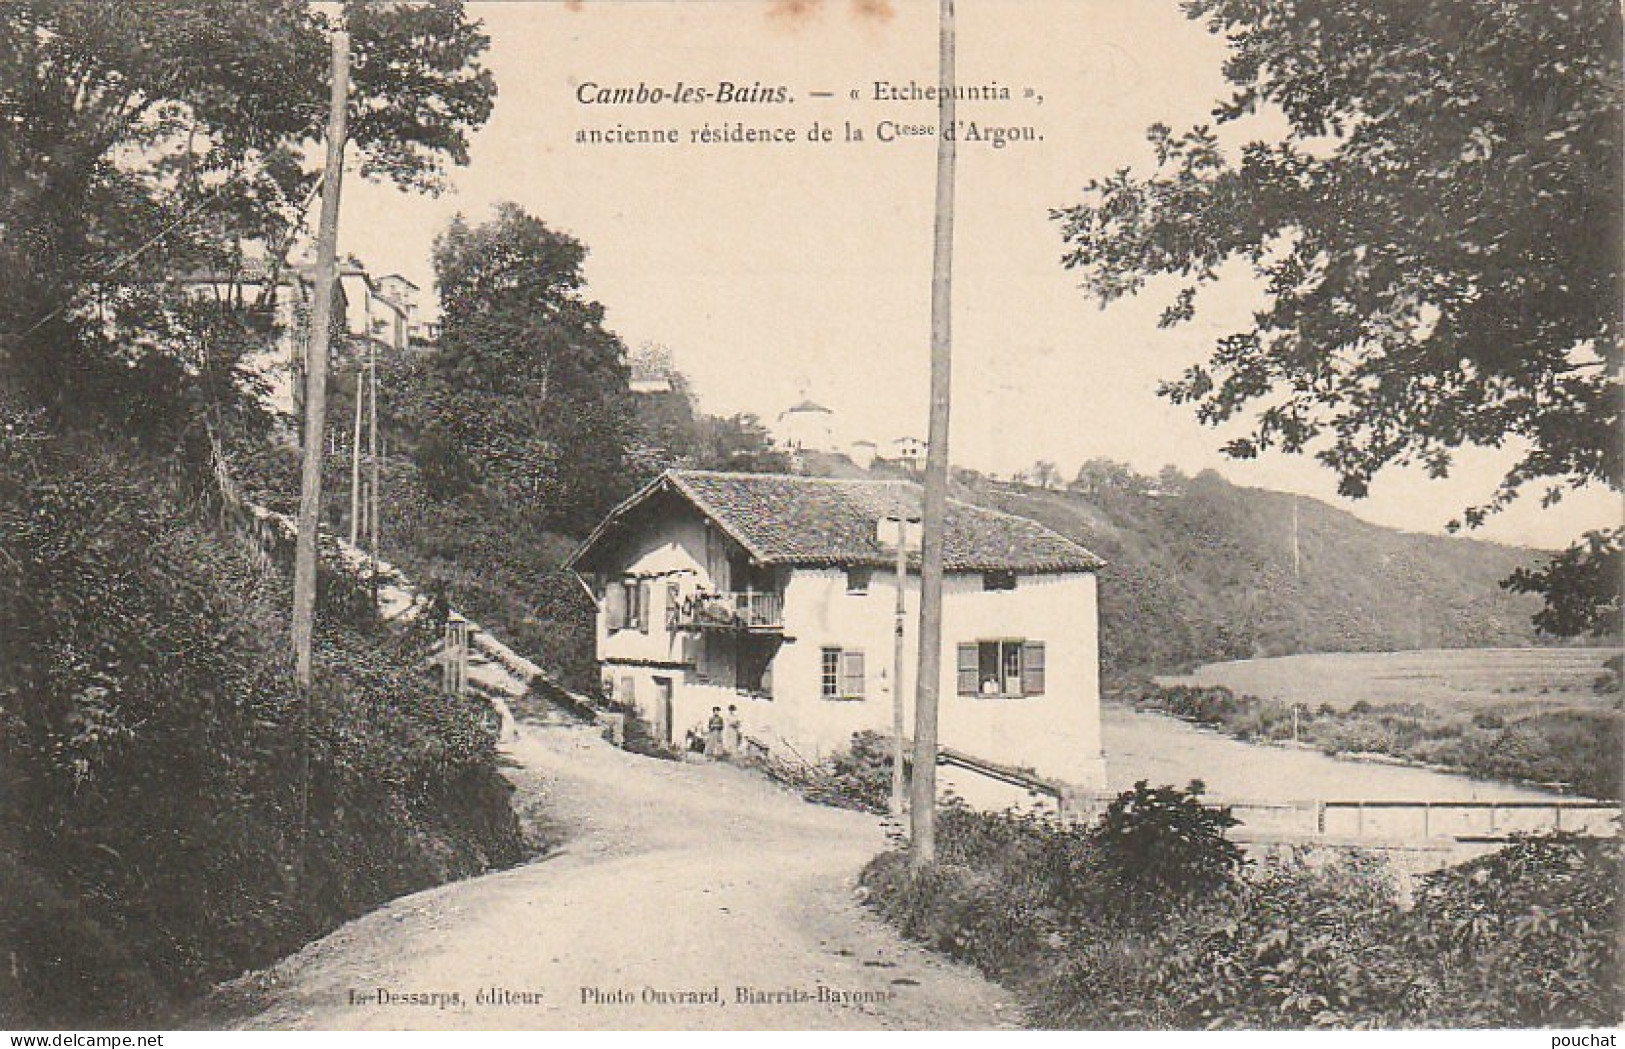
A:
{"points": [[775, 594], [863, 453], [284, 302], [370, 314], [652, 371], [806, 427], [908, 452], [403, 293]]}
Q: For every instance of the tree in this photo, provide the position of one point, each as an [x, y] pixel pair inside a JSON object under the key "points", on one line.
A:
{"points": [[138, 140], [736, 442], [528, 391], [1436, 235], [1045, 474], [1171, 480], [1098, 477]]}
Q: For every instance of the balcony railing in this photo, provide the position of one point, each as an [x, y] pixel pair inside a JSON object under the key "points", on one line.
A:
{"points": [[735, 611]]}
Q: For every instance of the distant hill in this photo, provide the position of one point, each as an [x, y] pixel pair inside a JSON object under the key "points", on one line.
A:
{"points": [[1200, 569]]}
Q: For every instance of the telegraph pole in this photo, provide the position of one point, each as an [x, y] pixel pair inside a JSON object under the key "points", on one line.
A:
{"points": [[373, 457], [310, 491], [1295, 555], [898, 783], [923, 795], [355, 460]]}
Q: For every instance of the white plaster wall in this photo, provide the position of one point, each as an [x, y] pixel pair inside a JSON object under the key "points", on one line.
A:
{"points": [[673, 551], [1056, 734], [992, 795]]}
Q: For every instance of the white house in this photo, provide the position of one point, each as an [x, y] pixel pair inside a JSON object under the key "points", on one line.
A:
{"points": [[370, 314], [776, 594], [806, 427], [907, 451], [283, 301]]}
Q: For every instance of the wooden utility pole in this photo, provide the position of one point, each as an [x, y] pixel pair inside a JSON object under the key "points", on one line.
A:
{"points": [[923, 795], [310, 490], [372, 460], [355, 460], [898, 782], [1296, 567]]}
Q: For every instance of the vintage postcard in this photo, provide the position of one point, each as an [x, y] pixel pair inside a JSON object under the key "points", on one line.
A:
{"points": [[811, 515]]}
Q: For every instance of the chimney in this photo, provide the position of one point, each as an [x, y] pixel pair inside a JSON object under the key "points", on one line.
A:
{"points": [[886, 532]]}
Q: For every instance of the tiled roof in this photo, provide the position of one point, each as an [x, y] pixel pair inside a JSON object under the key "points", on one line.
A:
{"points": [[781, 519]]}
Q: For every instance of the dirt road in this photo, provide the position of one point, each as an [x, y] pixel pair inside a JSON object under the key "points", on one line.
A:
{"points": [[686, 896]]}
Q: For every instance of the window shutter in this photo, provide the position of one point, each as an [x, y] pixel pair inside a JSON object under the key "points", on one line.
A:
{"points": [[967, 669], [1032, 668], [852, 673], [644, 595], [615, 606]]}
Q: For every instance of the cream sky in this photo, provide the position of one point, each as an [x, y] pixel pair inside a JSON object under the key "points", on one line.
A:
{"points": [[770, 270]]}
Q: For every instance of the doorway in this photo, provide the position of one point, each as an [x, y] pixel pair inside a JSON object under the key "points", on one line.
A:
{"points": [[663, 712]]}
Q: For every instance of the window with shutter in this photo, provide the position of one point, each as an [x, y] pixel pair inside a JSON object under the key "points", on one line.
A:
{"points": [[852, 677], [830, 683], [633, 613], [968, 664], [1032, 668]]}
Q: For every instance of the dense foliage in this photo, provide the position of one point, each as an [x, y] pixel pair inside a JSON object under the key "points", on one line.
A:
{"points": [[528, 388], [1435, 236], [1522, 937], [157, 827], [1576, 747], [126, 160], [509, 440]]}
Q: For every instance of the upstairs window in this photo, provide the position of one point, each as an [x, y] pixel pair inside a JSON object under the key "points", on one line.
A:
{"points": [[998, 580], [1006, 668], [857, 580], [627, 605], [843, 673]]}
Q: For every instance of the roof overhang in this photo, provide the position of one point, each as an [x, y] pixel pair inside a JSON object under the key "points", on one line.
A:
{"points": [[665, 483]]}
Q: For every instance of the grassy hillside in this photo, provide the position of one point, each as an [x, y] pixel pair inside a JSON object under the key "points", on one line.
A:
{"points": [[1202, 570], [1206, 572]]}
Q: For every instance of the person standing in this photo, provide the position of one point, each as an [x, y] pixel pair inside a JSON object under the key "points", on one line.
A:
{"points": [[731, 736], [713, 734]]}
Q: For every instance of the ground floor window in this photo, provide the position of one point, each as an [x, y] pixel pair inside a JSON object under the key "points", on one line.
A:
{"points": [[843, 673], [1005, 667]]}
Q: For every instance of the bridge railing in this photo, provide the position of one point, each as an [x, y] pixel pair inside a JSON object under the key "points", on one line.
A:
{"points": [[1478, 820]]}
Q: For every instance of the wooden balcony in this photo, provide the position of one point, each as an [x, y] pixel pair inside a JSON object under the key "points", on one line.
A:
{"points": [[749, 611]]}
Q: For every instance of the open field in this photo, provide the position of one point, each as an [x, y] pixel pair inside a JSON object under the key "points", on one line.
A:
{"points": [[1531, 716], [1494, 680]]}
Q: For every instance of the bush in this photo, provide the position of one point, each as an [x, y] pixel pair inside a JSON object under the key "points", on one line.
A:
{"points": [[858, 777], [1528, 935], [1164, 844], [151, 757], [1524, 937]]}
